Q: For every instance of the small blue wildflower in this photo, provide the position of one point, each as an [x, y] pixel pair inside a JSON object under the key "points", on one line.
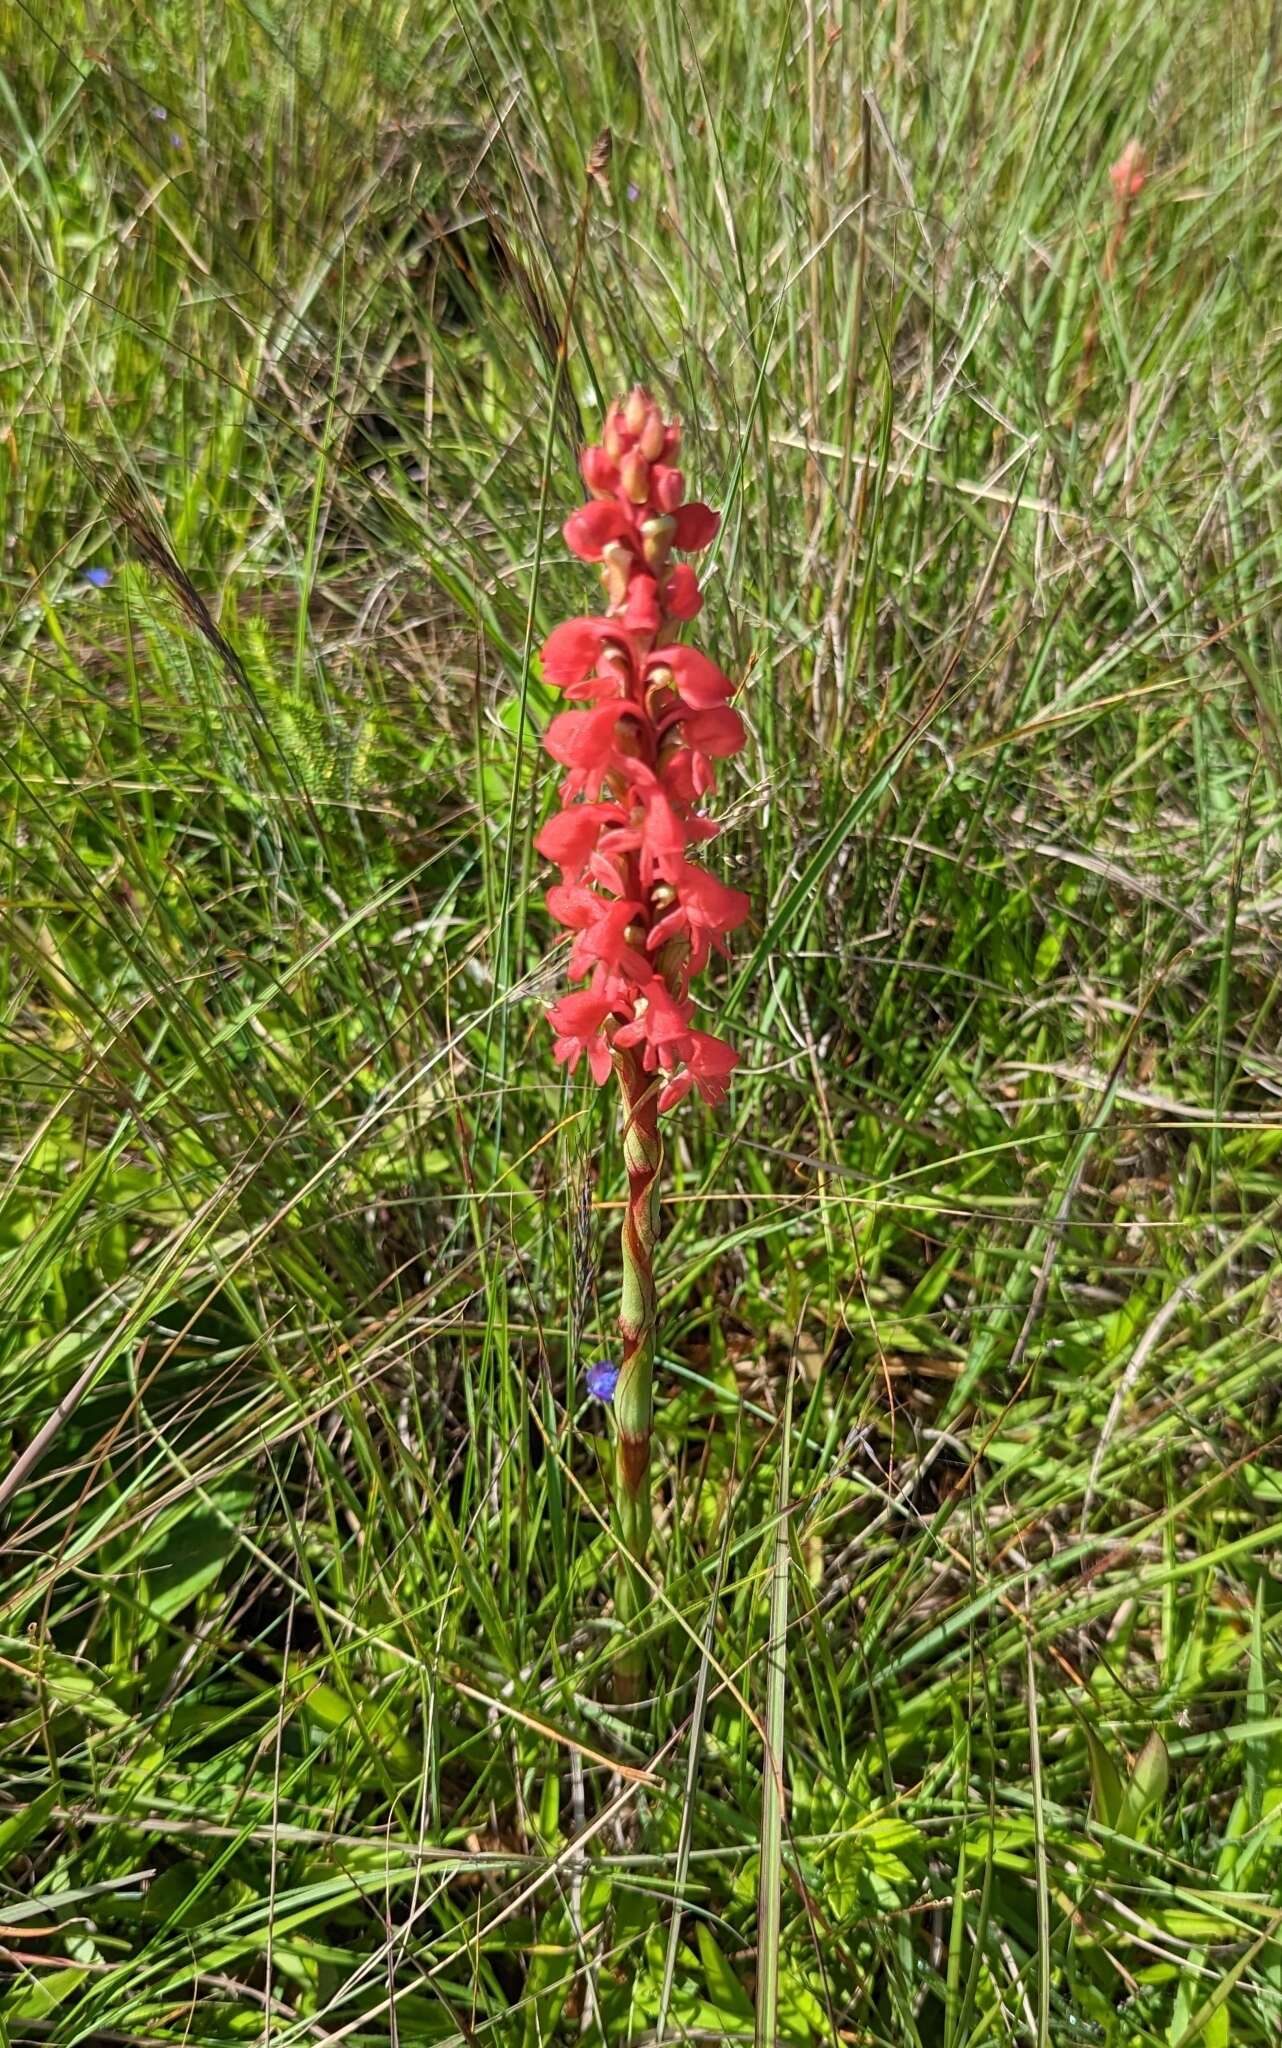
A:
{"points": [[100, 578], [603, 1378], [634, 191]]}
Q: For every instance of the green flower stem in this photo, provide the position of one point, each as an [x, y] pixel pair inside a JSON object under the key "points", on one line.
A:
{"points": [[633, 1399]]}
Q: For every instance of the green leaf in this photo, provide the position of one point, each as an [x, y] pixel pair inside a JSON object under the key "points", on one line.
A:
{"points": [[1146, 1787], [1106, 1781], [725, 1993], [23, 1826]]}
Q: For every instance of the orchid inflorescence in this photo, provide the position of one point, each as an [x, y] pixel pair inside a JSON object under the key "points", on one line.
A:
{"points": [[645, 917], [639, 762]]}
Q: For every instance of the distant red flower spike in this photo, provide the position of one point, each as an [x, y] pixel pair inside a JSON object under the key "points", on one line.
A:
{"points": [[1129, 175]]}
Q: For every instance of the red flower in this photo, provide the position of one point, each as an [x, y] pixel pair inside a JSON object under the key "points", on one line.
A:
{"points": [[599, 474], [575, 905], [704, 912], [708, 736], [661, 1026], [572, 651], [683, 598], [709, 1065], [717, 731], [578, 1020], [589, 530], [641, 612], [605, 941], [586, 742], [697, 681], [570, 836], [696, 527], [658, 829]]}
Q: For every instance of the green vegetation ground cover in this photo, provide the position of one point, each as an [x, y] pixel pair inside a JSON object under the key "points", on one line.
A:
{"points": [[969, 1497]]}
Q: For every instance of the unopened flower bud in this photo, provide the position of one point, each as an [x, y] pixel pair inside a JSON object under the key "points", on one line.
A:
{"points": [[669, 488], [637, 410], [612, 437], [634, 475], [652, 436], [599, 472]]}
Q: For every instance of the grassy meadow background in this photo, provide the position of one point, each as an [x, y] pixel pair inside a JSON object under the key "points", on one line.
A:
{"points": [[969, 1500]]}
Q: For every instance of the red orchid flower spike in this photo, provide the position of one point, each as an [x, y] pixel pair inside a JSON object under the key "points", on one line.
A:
{"points": [[639, 760], [652, 717]]}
